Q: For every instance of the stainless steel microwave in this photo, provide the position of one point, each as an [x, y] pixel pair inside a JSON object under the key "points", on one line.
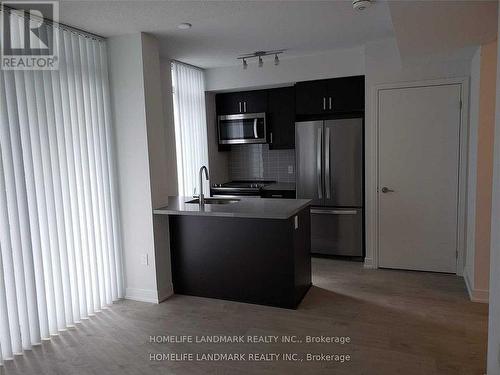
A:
{"points": [[242, 128]]}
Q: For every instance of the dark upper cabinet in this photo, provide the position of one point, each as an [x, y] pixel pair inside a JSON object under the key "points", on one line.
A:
{"points": [[331, 96], [254, 101], [241, 102], [346, 94], [310, 97], [281, 118], [229, 103]]}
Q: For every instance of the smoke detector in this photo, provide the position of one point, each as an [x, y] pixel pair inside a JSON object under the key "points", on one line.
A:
{"points": [[360, 4]]}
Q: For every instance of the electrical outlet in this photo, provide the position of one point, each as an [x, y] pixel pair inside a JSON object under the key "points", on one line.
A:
{"points": [[290, 169], [144, 259], [296, 222]]}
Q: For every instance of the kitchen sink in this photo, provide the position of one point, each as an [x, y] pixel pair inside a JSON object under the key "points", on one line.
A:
{"points": [[214, 200]]}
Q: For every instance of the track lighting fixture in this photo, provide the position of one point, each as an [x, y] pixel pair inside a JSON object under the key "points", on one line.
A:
{"points": [[259, 55]]}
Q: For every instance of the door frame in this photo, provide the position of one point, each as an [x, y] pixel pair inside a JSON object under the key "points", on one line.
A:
{"points": [[372, 167]]}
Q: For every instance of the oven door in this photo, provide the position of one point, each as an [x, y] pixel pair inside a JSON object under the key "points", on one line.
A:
{"points": [[242, 128]]}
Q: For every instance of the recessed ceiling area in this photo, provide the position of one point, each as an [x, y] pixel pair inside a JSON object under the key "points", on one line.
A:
{"points": [[222, 30], [426, 28]]}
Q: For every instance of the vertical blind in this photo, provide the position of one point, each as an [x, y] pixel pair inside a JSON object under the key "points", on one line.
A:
{"points": [[60, 258], [191, 143]]}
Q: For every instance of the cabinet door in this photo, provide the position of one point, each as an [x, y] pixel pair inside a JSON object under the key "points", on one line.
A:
{"points": [[281, 118], [254, 101], [311, 97], [346, 94], [229, 103]]}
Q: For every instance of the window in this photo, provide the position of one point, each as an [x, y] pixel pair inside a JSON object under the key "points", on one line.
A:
{"points": [[60, 258], [188, 87]]}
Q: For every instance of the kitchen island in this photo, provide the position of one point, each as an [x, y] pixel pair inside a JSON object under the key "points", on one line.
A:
{"points": [[249, 250]]}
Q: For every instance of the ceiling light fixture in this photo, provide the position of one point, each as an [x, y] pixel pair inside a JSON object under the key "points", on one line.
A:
{"points": [[360, 4], [184, 26], [258, 55]]}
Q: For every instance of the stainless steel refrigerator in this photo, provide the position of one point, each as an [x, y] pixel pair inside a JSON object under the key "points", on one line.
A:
{"points": [[329, 157]]}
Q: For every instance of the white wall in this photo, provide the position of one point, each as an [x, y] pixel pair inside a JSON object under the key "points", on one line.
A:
{"points": [[160, 163], [475, 76], [338, 63], [494, 313], [137, 110]]}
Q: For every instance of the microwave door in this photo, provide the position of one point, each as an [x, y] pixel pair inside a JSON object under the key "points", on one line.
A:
{"points": [[241, 129]]}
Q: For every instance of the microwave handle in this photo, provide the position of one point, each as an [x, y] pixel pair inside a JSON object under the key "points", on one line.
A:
{"points": [[255, 128]]}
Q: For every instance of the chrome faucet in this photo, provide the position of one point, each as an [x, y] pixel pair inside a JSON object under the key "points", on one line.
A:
{"points": [[202, 197]]}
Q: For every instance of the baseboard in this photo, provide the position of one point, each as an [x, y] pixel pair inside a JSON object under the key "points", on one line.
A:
{"points": [[476, 295], [141, 295], [148, 295], [369, 264]]}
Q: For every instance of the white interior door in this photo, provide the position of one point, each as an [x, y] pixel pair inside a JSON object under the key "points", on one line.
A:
{"points": [[419, 141]]}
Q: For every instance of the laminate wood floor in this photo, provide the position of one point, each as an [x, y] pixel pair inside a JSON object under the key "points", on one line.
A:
{"points": [[399, 322]]}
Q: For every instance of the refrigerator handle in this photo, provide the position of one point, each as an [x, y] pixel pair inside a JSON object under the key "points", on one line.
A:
{"points": [[327, 162], [318, 164]]}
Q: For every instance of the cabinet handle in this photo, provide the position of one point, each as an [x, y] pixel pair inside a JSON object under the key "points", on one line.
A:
{"points": [[324, 103], [330, 100], [277, 195], [245, 107], [240, 106], [271, 137]]}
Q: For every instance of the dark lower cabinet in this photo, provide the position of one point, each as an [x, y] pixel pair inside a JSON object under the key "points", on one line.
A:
{"points": [[281, 118], [253, 260]]}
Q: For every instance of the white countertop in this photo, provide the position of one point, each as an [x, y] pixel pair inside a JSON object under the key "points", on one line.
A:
{"points": [[265, 208]]}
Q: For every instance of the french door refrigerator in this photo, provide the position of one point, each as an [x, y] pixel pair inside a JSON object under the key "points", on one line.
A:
{"points": [[329, 158]]}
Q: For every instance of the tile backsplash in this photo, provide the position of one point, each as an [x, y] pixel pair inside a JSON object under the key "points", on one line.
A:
{"points": [[258, 162]]}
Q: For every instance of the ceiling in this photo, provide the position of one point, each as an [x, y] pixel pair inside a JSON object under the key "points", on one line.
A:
{"points": [[222, 30], [431, 28]]}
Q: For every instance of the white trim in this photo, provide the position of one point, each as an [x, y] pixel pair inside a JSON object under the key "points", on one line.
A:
{"points": [[369, 264], [371, 173], [141, 295], [476, 295]]}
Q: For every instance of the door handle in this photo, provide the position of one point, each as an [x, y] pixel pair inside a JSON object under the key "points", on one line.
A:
{"points": [[324, 103], [240, 106], [245, 107], [327, 163], [385, 190], [318, 164]]}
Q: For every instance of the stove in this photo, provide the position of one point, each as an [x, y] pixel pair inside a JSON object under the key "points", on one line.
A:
{"points": [[239, 188]]}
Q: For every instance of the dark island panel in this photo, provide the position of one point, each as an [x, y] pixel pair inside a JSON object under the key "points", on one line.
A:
{"points": [[261, 261]]}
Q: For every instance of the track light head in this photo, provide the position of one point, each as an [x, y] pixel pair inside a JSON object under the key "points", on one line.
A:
{"points": [[261, 62], [276, 60], [245, 64]]}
